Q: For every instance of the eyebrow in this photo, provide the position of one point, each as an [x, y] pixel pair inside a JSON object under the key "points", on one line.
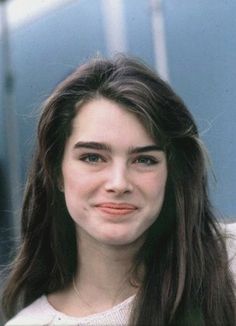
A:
{"points": [[106, 147]]}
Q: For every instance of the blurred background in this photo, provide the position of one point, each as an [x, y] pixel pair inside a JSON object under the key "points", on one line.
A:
{"points": [[192, 44]]}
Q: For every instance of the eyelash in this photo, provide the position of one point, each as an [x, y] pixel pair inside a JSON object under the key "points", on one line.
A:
{"points": [[87, 158], [94, 158], [146, 160]]}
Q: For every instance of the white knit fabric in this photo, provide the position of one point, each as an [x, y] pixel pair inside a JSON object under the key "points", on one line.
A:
{"points": [[41, 313], [230, 230]]}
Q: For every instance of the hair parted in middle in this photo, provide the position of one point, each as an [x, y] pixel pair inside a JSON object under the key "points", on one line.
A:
{"points": [[183, 248]]}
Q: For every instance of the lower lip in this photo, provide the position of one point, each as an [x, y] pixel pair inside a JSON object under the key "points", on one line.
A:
{"points": [[116, 211]]}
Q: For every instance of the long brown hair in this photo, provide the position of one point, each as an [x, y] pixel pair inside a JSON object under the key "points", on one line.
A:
{"points": [[187, 279]]}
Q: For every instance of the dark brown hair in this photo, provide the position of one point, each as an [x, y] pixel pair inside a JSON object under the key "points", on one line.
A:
{"points": [[187, 279]]}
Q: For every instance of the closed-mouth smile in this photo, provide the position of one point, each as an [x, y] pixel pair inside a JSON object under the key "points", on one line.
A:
{"points": [[116, 208]]}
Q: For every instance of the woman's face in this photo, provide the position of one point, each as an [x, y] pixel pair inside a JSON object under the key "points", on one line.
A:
{"points": [[114, 174]]}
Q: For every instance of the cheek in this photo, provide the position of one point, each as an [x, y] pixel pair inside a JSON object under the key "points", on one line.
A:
{"points": [[79, 188], [75, 195], [155, 198], [155, 185], [74, 179], [155, 194]]}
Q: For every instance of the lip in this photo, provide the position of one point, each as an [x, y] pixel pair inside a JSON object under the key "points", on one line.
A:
{"points": [[116, 208]]}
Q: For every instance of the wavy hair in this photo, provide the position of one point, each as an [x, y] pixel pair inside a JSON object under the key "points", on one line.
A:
{"points": [[187, 279]]}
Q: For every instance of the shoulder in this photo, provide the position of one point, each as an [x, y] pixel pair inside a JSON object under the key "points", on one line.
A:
{"points": [[230, 233], [37, 313], [41, 313]]}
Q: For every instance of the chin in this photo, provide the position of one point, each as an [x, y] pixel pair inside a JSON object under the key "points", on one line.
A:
{"points": [[121, 240]]}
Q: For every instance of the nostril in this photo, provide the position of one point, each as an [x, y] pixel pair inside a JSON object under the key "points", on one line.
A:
{"points": [[118, 180], [119, 187]]}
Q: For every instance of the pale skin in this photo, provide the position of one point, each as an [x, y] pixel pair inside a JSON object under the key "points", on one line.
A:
{"points": [[113, 178]]}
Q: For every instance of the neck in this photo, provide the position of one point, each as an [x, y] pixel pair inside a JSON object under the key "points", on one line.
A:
{"points": [[103, 278], [104, 271]]}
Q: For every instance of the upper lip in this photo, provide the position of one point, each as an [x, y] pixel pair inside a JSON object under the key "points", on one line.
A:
{"points": [[116, 205]]}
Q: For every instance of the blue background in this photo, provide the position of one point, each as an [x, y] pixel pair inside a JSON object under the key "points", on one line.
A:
{"points": [[201, 54]]}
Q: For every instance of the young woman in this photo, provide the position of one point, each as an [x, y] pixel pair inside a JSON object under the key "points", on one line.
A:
{"points": [[117, 227]]}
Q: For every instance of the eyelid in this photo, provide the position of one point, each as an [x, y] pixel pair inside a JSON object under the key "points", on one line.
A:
{"points": [[86, 155], [153, 159]]}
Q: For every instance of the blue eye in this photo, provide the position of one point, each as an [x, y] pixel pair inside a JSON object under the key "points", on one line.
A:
{"points": [[146, 160], [92, 158]]}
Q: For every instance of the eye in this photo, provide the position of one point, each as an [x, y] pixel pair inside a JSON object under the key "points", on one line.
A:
{"points": [[146, 160], [92, 158]]}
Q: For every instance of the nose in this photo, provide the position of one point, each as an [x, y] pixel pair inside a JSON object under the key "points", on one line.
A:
{"points": [[119, 180]]}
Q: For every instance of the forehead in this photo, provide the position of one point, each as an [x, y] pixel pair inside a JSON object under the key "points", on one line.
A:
{"points": [[103, 119]]}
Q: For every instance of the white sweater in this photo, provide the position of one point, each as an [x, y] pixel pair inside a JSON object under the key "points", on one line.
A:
{"points": [[41, 313]]}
